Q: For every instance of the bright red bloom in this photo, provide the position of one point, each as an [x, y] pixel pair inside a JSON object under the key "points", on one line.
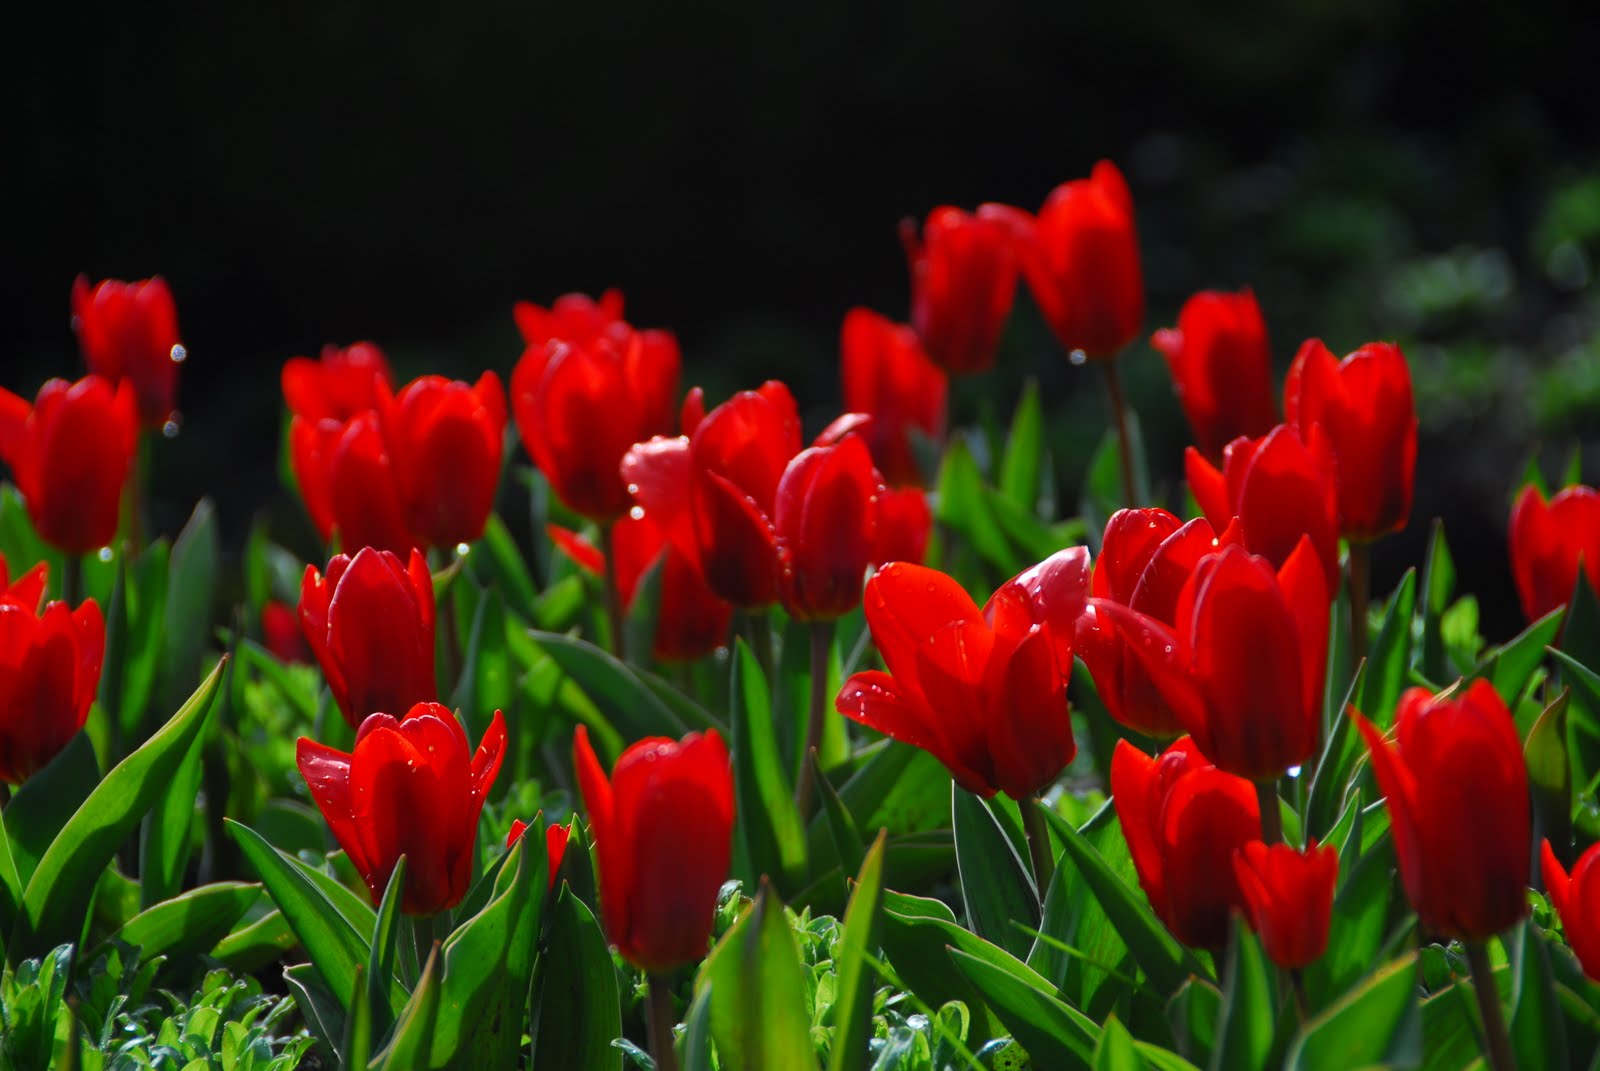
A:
{"points": [[1577, 900], [1184, 819], [1548, 540], [574, 317], [983, 691], [280, 630], [445, 441], [128, 332], [1280, 488], [555, 844], [70, 454], [904, 524], [663, 832], [325, 396], [1221, 368], [1288, 899], [369, 621], [963, 280], [1080, 258], [826, 524], [1364, 405], [414, 787], [580, 406], [1243, 665], [887, 376], [1457, 787], [345, 381]]}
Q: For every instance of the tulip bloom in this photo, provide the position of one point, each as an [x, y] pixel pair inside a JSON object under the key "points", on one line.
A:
{"points": [[1280, 487], [1364, 405], [983, 691], [573, 317], [1243, 666], [1183, 820], [826, 525], [904, 523], [887, 375], [280, 632], [70, 454], [1080, 258], [663, 832], [1457, 787], [1288, 899], [1548, 540], [1221, 368], [369, 621], [1577, 900], [963, 280], [128, 332], [445, 441], [414, 787]]}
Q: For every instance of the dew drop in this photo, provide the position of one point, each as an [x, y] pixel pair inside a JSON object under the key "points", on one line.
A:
{"points": [[170, 428], [179, 354], [104, 554], [1078, 358], [461, 550], [633, 489], [637, 513], [1294, 771]]}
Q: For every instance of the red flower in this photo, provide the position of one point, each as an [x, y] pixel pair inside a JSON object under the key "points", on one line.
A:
{"points": [[445, 440], [344, 382], [1548, 540], [70, 454], [411, 787], [1280, 488], [370, 623], [826, 524], [1080, 258], [324, 397], [887, 376], [983, 691], [1184, 819], [129, 332], [574, 317], [963, 279], [555, 844], [1457, 786], [280, 629], [1577, 901], [1364, 405], [580, 406], [1221, 368], [1243, 666], [1288, 899], [663, 831], [904, 523]]}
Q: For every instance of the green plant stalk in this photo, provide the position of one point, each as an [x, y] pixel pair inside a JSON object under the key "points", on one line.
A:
{"points": [[821, 644], [1497, 1043], [1038, 834], [1360, 592], [1119, 413], [614, 615], [661, 1017]]}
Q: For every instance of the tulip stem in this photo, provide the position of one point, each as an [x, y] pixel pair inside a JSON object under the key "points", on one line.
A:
{"points": [[1038, 833], [614, 615], [71, 579], [1271, 812], [1497, 1043], [821, 647], [661, 1018], [1119, 412], [1360, 587]]}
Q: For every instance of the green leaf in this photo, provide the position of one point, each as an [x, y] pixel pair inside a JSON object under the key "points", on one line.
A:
{"points": [[252, 947], [852, 1002], [165, 836], [191, 923], [1117, 1051], [321, 1012], [487, 681], [358, 1027], [1244, 1035], [191, 590], [45, 801], [1511, 666], [1020, 464], [960, 504], [412, 1041], [498, 562], [1360, 916], [381, 959], [1055, 1035], [1002, 906], [1390, 655], [146, 596], [1438, 584], [57, 894], [630, 705], [697, 1049], [576, 1003], [1378, 1022], [774, 836], [1332, 777], [1194, 1012], [10, 883], [847, 842], [760, 1006], [1102, 490], [1538, 1033]]}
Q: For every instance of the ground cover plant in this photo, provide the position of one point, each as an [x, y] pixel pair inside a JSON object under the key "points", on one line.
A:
{"points": [[847, 747]]}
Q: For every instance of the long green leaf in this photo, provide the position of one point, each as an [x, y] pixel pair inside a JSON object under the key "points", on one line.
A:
{"points": [[45, 802], [615, 689], [1538, 1032], [1244, 1036], [852, 1002], [774, 836], [1117, 1051], [577, 1005], [1390, 655], [1373, 1024], [1001, 903], [165, 835], [1020, 464], [412, 1041], [382, 958], [190, 923], [760, 1014], [1054, 1034]]}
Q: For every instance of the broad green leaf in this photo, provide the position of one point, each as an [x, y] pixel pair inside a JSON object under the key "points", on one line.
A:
{"points": [[1538, 1033], [412, 1041], [962, 506], [1390, 655], [1117, 1051], [1331, 779], [576, 1002], [382, 960], [1194, 1012], [1356, 929], [1055, 1035], [10, 883], [487, 681], [852, 1003], [760, 1002], [1021, 461], [1550, 771], [358, 1027], [165, 834], [499, 564], [318, 1007], [1438, 584], [1510, 666], [774, 836], [697, 1048], [191, 923], [847, 842], [1002, 906], [1102, 492], [146, 597], [1375, 1023], [191, 591], [615, 689], [250, 948], [1244, 1034], [44, 803]]}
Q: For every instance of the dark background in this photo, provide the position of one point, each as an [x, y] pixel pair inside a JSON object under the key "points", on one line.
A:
{"points": [[304, 173]]}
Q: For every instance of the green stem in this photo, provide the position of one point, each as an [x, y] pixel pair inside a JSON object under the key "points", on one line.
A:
{"points": [[614, 614], [661, 1018], [71, 579], [821, 645], [1043, 859], [1497, 1043], [1297, 985], [1119, 412], [1271, 815], [1360, 588]]}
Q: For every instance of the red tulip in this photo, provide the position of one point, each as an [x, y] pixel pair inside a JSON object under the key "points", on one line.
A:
{"points": [[129, 332], [555, 844], [70, 454], [1457, 787], [324, 397], [1243, 666], [1221, 368], [369, 621], [280, 630], [580, 406], [350, 485], [1288, 899], [963, 279], [344, 382], [826, 523], [983, 691], [904, 524], [49, 672], [414, 787], [1548, 541], [1080, 258], [1577, 900], [1280, 488], [574, 317], [887, 376], [663, 831], [1364, 405], [1183, 820], [445, 441]]}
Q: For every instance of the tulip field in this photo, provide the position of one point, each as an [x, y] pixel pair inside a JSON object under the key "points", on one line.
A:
{"points": [[776, 747]]}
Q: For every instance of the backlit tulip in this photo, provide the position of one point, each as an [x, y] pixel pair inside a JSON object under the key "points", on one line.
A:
{"points": [[129, 332], [1080, 258], [412, 786], [1364, 405], [1457, 788], [963, 280], [1548, 540], [445, 440], [70, 454], [887, 375], [663, 831], [344, 381], [983, 691], [1183, 820], [1221, 368], [904, 524], [574, 317], [826, 524], [324, 396], [1288, 899], [369, 621], [1576, 899]]}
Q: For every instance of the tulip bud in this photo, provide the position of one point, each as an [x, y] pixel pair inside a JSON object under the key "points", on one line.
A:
{"points": [[1577, 901], [887, 376], [1221, 368], [963, 280], [1548, 541], [445, 441], [826, 525], [1288, 899], [128, 332]]}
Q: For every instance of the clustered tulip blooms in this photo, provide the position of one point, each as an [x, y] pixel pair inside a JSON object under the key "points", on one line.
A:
{"points": [[129, 333], [1551, 542]]}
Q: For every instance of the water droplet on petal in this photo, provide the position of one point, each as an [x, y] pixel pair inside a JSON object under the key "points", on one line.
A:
{"points": [[104, 554], [637, 513], [633, 489], [461, 550], [179, 354], [1078, 358], [170, 428], [1294, 771]]}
